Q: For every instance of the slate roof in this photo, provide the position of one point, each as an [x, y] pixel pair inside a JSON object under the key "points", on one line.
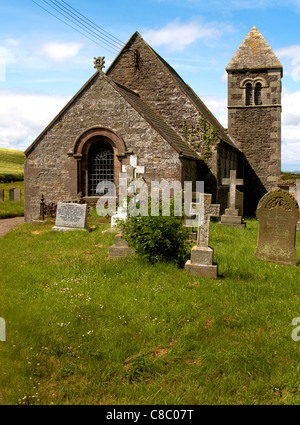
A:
{"points": [[147, 112], [155, 120]]}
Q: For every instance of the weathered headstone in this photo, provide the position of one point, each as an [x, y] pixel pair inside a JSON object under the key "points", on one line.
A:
{"points": [[298, 200], [1, 195], [278, 214], [233, 216], [201, 262], [120, 248], [70, 216], [2, 330], [15, 194]]}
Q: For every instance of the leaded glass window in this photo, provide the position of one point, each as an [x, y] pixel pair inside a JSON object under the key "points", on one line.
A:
{"points": [[101, 165]]}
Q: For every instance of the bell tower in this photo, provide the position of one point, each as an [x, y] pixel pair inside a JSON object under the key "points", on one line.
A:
{"points": [[254, 114]]}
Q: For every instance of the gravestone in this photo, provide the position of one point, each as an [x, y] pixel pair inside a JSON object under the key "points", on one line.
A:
{"points": [[1, 195], [201, 262], [233, 216], [120, 248], [298, 200], [128, 175], [2, 330], [278, 214], [70, 216], [15, 194], [122, 209]]}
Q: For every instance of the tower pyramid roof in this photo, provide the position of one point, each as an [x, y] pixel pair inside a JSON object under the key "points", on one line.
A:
{"points": [[254, 53]]}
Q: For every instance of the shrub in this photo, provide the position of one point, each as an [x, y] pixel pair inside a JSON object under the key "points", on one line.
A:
{"points": [[157, 238]]}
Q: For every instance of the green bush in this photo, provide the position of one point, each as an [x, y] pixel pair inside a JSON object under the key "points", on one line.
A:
{"points": [[158, 238]]}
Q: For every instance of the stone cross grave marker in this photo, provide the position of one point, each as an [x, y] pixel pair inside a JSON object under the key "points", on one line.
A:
{"points": [[278, 214], [128, 175], [201, 262], [231, 216], [122, 209], [70, 216], [15, 194], [233, 182], [132, 170], [1, 195]]}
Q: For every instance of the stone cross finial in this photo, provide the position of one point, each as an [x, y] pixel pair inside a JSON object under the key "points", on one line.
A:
{"points": [[204, 210], [232, 182], [99, 63]]}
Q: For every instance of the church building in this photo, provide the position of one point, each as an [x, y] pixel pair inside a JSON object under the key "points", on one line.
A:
{"points": [[141, 107]]}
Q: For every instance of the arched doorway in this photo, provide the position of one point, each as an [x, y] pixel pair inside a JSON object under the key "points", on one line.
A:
{"points": [[100, 165]]}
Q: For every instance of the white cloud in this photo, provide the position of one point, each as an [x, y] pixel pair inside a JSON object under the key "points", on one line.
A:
{"points": [[24, 115], [218, 106], [291, 56], [290, 146], [291, 130], [177, 35], [288, 52], [60, 51]]}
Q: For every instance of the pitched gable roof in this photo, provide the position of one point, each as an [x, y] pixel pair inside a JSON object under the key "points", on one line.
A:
{"points": [[155, 120], [140, 106], [186, 89], [254, 53]]}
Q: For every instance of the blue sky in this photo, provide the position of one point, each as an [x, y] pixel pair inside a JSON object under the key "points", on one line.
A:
{"points": [[43, 62]]}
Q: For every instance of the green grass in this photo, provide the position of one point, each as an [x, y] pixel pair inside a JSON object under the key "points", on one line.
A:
{"points": [[9, 209], [11, 165], [82, 329]]}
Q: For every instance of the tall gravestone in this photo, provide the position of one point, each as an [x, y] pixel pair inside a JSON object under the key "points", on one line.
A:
{"points": [[1, 195], [70, 216], [128, 175], [2, 329], [201, 262], [278, 214], [298, 200], [233, 216], [15, 194]]}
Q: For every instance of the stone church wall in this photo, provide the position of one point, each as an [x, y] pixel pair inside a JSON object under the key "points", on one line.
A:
{"points": [[50, 167], [257, 130]]}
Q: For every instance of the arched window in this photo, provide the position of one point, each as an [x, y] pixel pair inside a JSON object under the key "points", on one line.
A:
{"points": [[100, 165], [249, 94], [257, 94]]}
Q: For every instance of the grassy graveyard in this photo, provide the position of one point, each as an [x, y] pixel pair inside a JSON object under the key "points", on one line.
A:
{"points": [[82, 329], [9, 209], [11, 175]]}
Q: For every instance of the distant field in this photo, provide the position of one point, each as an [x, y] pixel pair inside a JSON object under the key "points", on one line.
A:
{"points": [[11, 165], [290, 176]]}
